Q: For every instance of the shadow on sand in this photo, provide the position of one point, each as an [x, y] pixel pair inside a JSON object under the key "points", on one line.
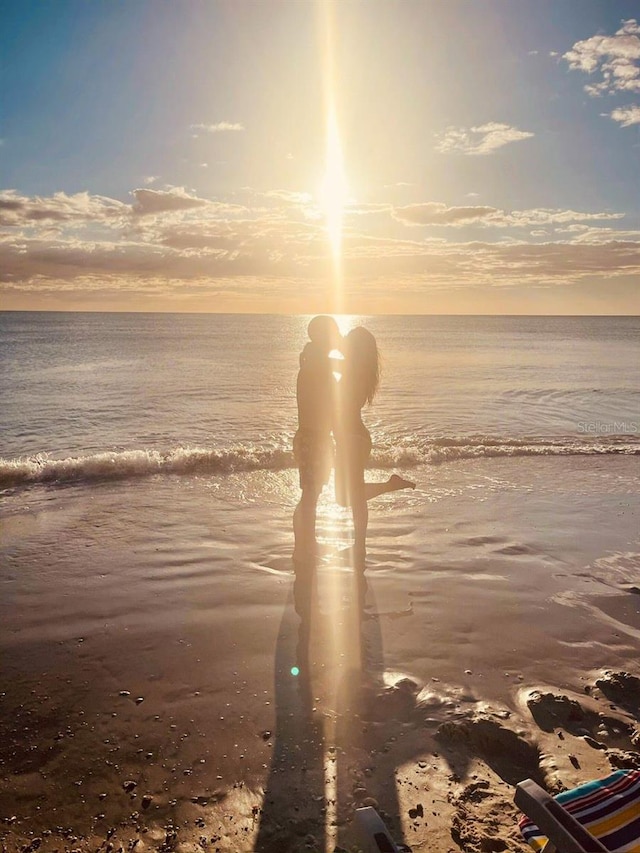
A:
{"points": [[328, 671]]}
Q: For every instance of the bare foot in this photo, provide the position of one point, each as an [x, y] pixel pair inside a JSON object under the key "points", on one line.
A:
{"points": [[304, 557], [312, 552], [353, 556], [398, 483]]}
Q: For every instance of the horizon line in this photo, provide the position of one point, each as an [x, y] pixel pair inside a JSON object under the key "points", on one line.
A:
{"points": [[303, 314]]}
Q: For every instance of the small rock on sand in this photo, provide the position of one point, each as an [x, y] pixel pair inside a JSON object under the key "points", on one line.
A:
{"points": [[620, 687], [595, 744], [550, 711]]}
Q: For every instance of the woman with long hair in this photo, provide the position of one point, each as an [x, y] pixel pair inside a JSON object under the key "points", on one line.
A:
{"points": [[357, 387]]}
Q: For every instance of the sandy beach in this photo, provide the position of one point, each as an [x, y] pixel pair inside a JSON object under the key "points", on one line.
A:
{"points": [[252, 250], [149, 693]]}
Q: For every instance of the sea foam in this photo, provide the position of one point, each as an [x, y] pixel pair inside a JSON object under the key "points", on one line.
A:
{"points": [[129, 464]]}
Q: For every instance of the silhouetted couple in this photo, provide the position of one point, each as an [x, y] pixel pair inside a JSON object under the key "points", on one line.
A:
{"points": [[331, 411]]}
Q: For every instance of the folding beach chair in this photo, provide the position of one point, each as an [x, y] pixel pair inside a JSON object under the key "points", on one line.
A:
{"points": [[373, 835], [595, 817]]}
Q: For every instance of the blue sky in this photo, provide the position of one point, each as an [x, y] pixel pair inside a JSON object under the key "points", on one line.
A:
{"points": [[168, 156]]}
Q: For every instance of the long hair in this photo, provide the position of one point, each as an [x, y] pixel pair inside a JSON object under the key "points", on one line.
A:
{"points": [[363, 363]]}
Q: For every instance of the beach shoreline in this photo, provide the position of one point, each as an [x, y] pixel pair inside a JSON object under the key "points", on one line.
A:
{"points": [[150, 633]]}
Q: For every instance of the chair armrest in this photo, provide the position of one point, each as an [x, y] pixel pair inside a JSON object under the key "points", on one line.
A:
{"points": [[373, 836], [560, 827]]}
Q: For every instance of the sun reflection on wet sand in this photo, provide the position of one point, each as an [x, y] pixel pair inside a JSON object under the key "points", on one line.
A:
{"points": [[332, 530]]}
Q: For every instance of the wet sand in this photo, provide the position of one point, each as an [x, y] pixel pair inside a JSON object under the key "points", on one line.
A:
{"points": [[149, 631]]}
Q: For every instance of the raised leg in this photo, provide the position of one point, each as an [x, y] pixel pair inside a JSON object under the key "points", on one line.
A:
{"points": [[393, 484]]}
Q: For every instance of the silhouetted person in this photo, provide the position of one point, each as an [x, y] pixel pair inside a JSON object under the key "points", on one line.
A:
{"points": [[358, 385], [313, 445]]}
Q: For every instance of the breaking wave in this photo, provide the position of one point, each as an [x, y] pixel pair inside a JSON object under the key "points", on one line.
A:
{"points": [[128, 464]]}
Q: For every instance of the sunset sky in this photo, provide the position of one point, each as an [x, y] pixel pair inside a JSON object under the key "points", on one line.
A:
{"points": [[483, 157]]}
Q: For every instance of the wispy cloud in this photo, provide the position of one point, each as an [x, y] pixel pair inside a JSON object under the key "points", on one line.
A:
{"points": [[483, 139], [436, 213], [82, 209], [614, 59], [150, 179], [218, 127], [18, 210], [592, 235], [626, 116], [171, 240], [47, 264], [159, 201]]}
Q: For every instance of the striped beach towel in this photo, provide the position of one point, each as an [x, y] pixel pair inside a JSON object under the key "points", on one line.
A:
{"points": [[609, 808]]}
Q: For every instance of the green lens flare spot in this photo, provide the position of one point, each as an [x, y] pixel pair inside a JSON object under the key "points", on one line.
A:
{"points": [[295, 670]]}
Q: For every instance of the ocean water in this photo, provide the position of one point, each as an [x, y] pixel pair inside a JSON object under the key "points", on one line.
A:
{"points": [[146, 497], [147, 455], [89, 397]]}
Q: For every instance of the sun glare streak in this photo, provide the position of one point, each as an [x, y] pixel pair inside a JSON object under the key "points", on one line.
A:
{"points": [[333, 191], [332, 201]]}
